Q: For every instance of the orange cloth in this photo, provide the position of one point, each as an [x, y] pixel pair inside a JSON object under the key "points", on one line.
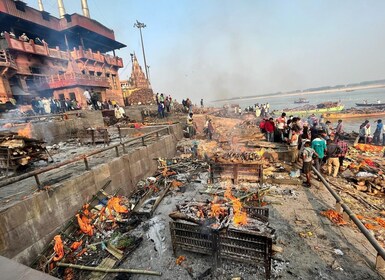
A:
{"points": [[380, 221], [76, 244], [84, 225], [58, 248], [368, 148], [334, 216], [114, 203]]}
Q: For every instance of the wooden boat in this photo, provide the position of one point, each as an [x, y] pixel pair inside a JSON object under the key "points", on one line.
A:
{"points": [[378, 105], [301, 101], [355, 114], [326, 107]]}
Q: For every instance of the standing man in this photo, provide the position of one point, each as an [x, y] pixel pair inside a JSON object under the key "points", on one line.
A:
{"points": [[281, 123], [319, 146], [94, 99], [339, 131], [269, 128], [344, 149], [383, 137], [307, 156], [191, 126], [377, 133], [202, 102], [328, 130], [87, 96], [333, 150], [364, 134], [293, 145], [210, 129]]}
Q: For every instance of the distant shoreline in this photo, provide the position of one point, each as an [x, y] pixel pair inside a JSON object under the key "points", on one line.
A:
{"points": [[285, 94]]}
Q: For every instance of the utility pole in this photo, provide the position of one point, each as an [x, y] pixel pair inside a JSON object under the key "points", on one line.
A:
{"points": [[141, 25], [148, 68]]}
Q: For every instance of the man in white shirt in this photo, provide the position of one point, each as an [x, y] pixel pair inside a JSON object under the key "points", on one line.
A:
{"points": [[119, 112], [87, 96]]}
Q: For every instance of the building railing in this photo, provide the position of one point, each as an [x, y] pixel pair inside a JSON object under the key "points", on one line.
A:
{"points": [[31, 47], [6, 60], [120, 148], [97, 56], [69, 79]]}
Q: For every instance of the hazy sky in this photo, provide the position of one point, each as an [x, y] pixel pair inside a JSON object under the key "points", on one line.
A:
{"points": [[217, 48]]}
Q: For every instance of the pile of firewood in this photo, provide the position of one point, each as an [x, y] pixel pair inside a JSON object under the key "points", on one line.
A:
{"points": [[16, 151], [142, 96], [366, 170], [237, 157], [221, 214], [373, 184]]}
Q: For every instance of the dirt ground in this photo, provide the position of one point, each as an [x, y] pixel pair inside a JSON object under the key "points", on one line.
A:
{"points": [[313, 247]]}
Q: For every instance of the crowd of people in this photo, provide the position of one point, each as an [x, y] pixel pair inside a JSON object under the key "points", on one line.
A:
{"points": [[316, 142], [23, 37], [365, 135], [165, 104], [50, 105]]}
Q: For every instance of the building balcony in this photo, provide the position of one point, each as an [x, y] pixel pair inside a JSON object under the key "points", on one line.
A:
{"points": [[97, 56], [69, 80], [30, 47]]}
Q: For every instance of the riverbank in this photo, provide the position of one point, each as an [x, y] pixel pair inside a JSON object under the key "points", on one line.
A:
{"points": [[302, 93]]}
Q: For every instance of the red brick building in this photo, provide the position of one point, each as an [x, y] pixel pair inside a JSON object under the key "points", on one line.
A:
{"points": [[61, 58]]}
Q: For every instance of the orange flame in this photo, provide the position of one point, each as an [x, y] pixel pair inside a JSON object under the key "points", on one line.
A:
{"points": [[240, 216], [26, 131], [216, 209]]}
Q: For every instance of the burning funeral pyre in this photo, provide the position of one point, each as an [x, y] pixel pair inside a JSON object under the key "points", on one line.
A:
{"points": [[98, 237], [224, 228]]}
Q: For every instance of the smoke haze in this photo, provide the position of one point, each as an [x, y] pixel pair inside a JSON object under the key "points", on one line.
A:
{"points": [[219, 48]]}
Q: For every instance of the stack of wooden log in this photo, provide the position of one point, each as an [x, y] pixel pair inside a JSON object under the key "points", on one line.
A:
{"points": [[366, 168], [141, 96], [234, 157], [373, 183], [17, 151]]}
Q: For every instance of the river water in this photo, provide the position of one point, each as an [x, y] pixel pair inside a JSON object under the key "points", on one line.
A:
{"points": [[346, 98]]}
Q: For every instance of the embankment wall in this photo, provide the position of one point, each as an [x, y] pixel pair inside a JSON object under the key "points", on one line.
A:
{"points": [[56, 131], [28, 226]]}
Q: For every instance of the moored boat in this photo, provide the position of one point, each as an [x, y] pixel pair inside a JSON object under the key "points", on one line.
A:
{"points": [[321, 108], [301, 101], [378, 105], [350, 114]]}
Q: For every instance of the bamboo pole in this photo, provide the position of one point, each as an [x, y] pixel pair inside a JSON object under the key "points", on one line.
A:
{"points": [[109, 270]]}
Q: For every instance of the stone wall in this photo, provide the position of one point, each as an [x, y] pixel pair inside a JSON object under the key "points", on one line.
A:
{"points": [[56, 131], [29, 225]]}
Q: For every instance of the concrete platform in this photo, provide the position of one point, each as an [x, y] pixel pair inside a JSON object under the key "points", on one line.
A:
{"points": [[11, 270]]}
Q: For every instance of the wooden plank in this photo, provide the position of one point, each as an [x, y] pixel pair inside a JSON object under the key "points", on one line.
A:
{"points": [[291, 181], [105, 263], [264, 144]]}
